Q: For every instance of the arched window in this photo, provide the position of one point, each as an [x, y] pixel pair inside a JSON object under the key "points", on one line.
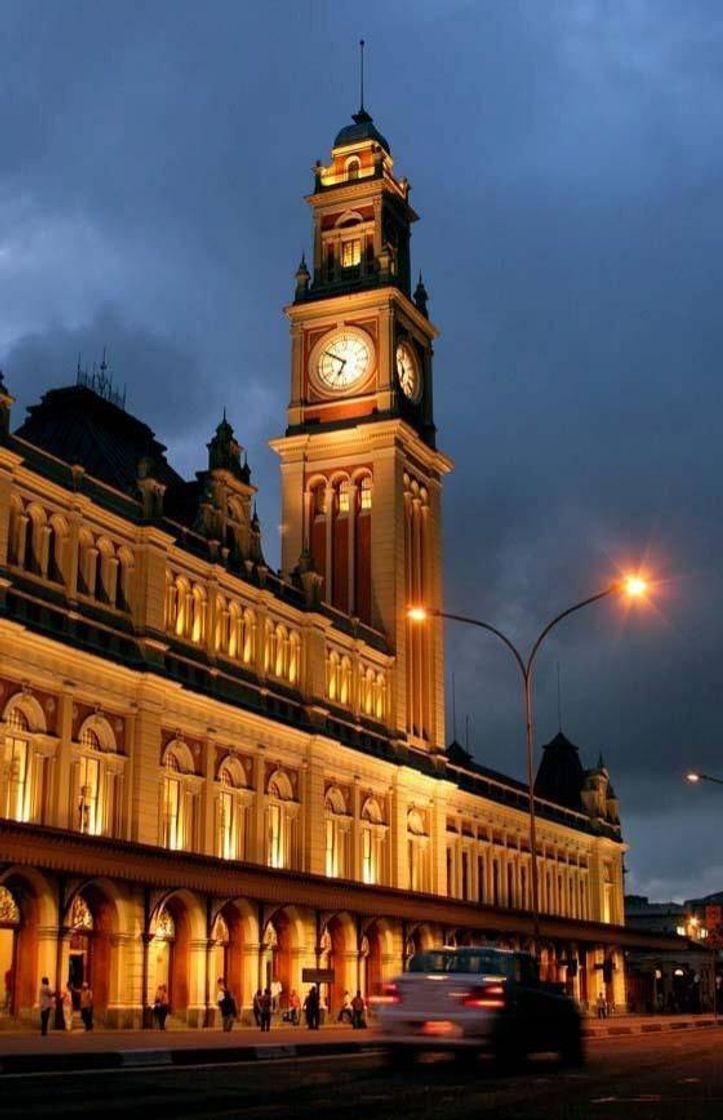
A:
{"points": [[337, 831], [56, 548], [345, 681], [352, 168], [343, 496], [98, 771], [9, 909], [418, 851], [17, 529], [332, 675], [107, 572], [198, 625], [177, 797], [280, 819], [365, 493], [123, 594], [231, 809], [35, 541], [183, 607], [17, 759], [86, 562], [373, 833]]}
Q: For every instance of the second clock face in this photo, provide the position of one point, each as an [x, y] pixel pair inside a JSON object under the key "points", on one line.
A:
{"points": [[345, 358], [408, 372]]}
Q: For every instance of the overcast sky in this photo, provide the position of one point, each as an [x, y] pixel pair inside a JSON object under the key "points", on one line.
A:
{"points": [[567, 161]]}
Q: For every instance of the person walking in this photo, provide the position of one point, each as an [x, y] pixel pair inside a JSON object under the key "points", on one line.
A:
{"points": [[602, 1007], [358, 1019], [257, 1006], [160, 1006], [86, 1006], [266, 1006], [227, 1005], [276, 991], [46, 1002]]}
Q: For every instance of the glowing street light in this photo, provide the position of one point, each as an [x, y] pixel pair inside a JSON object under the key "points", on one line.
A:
{"points": [[632, 586], [694, 777]]}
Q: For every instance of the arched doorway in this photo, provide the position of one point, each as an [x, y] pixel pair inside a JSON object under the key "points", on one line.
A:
{"points": [[280, 949], [80, 947], [235, 934], [178, 955], [10, 922], [338, 951], [160, 953], [377, 958]]}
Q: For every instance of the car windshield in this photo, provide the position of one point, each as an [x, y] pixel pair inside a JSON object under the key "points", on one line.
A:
{"points": [[480, 961]]}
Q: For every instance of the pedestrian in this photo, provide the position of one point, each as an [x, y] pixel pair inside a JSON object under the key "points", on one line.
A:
{"points": [[276, 990], [358, 1007], [294, 1008], [602, 1007], [345, 1015], [86, 1005], [8, 990], [257, 1006], [46, 1002], [266, 1006], [160, 1006], [311, 1008], [59, 1013], [227, 1004], [68, 1007]]}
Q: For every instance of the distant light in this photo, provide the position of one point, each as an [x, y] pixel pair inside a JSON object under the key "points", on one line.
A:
{"points": [[692, 777], [418, 614], [635, 586]]}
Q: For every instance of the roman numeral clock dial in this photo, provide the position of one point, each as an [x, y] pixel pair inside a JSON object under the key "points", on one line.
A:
{"points": [[344, 359]]}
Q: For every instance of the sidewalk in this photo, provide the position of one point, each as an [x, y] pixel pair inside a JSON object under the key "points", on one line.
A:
{"points": [[26, 1052]]}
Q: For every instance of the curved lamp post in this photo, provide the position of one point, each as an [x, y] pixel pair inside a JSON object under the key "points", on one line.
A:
{"points": [[634, 587]]}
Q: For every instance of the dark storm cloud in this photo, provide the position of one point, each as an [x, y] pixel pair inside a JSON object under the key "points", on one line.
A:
{"points": [[567, 160]]}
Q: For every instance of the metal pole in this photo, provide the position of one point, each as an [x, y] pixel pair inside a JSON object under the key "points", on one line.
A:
{"points": [[530, 745]]}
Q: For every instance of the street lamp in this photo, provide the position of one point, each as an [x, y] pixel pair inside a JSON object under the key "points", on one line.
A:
{"points": [[695, 777], [631, 586]]}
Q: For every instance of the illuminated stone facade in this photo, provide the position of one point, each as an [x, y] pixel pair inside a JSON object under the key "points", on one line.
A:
{"points": [[209, 769]]}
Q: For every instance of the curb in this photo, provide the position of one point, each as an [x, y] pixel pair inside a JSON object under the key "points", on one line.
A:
{"points": [[139, 1059], [649, 1028]]}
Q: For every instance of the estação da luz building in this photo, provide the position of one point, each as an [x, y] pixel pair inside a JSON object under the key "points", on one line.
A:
{"points": [[209, 769]]}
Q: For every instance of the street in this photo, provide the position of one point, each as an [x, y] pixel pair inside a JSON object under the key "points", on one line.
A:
{"points": [[658, 1077]]}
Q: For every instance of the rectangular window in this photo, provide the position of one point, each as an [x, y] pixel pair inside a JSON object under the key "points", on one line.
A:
{"points": [[276, 839], [330, 853], [350, 253]]}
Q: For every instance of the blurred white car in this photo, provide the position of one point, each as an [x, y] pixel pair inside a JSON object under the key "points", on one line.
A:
{"points": [[474, 999]]}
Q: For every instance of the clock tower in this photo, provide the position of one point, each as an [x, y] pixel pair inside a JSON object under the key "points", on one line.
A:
{"points": [[361, 475]]}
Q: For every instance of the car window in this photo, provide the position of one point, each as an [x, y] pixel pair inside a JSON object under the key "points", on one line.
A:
{"points": [[479, 962], [429, 962]]}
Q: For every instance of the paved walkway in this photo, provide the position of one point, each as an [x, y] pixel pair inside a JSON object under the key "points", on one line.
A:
{"points": [[28, 1052]]}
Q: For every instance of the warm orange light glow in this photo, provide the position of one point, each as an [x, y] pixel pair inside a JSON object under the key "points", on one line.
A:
{"points": [[634, 586], [693, 777], [418, 614]]}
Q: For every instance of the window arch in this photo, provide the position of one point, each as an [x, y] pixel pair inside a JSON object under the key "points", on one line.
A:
{"points": [[17, 529], [417, 851], [96, 779], [280, 821], [57, 548], [231, 809], [353, 167], [35, 540], [22, 762], [106, 571], [337, 832], [86, 562], [373, 840], [126, 562], [9, 909], [177, 797]]}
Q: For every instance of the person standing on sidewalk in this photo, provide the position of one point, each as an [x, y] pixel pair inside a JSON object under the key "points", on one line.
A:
{"points": [[266, 1006], [46, 1001], [311, 1007], [160, 1006], [358, 1021], [602, 1006], [86, 1006], [227, 1005]]}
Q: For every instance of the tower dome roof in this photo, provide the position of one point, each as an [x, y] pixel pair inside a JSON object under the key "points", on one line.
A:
{"points": [[362, 129]]}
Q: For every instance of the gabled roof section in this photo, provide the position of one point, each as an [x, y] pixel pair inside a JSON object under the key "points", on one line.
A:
{"points": [[81, 427], [561, 774]]}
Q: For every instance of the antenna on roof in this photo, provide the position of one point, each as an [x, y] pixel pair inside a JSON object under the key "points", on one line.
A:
{"points": [[361, 75]]}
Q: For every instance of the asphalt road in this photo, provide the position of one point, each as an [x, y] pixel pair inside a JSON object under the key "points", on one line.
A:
{"points": [[632, 1078]]}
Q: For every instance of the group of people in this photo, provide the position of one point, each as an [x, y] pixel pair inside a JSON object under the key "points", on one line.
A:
{"points": [[353, 1011], [267, 1003], [63, 1003]]}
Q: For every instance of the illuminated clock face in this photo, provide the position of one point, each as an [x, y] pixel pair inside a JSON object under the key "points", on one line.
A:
{"points": [[345, 359], [407, 372]]}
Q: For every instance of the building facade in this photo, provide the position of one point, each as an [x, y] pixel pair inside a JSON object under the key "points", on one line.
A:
{"points": [[211, 769]]}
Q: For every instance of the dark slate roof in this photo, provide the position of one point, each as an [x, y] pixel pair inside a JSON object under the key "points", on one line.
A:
{"points": [[362, 129], [560, 776], [81, 427]]}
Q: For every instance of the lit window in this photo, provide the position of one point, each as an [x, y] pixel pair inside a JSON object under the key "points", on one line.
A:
{"points": [[680, 930], [366, 493], [367, 856], [350, 253], [344, 497], [16, 805], [88, 803], [352, 169]]}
